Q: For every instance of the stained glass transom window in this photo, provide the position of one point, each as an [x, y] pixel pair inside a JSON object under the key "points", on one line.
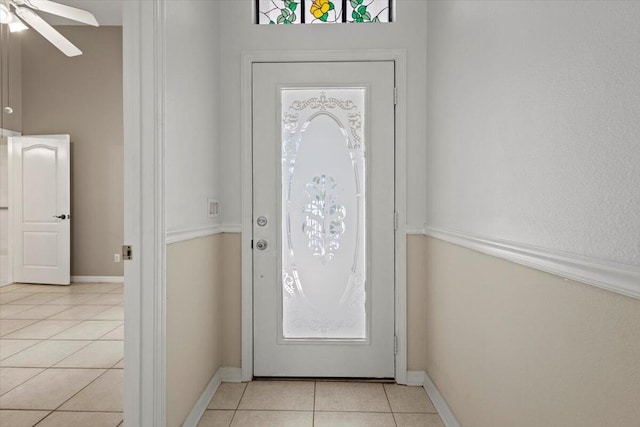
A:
{"points": [[322, 11]]}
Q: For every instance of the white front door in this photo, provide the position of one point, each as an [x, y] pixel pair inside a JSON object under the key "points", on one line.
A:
{"points": [[323, 219], [40, 207]]}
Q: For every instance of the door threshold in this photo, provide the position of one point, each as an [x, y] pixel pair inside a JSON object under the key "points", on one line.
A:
{"points": [[329, 379]]}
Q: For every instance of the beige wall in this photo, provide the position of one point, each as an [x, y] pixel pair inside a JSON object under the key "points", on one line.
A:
{"points": [[194, 306], [82, 96], [508, 345], [232, 300], [11, 79], [416, 310]]}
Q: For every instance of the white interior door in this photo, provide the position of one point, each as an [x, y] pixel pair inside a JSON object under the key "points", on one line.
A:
{"points": [[41, 223], [323, 214]]}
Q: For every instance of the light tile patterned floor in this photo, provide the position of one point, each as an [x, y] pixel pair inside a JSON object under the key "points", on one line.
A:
{"points": [[61, 355], [319, 404]]}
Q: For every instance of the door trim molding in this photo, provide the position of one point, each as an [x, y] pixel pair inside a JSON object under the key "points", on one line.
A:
{"points": [[145, 295], [398, 56]]}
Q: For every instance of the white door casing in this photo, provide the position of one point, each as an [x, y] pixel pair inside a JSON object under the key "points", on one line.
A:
{"points": [[41, 208], [324, 350]]}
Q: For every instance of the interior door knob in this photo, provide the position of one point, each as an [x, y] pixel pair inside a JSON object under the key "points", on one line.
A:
{"points": [[63, 216], [261, 245]]}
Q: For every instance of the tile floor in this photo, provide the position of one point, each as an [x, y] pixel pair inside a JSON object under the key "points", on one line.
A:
{"points": [[61, 350], [319, 404]]}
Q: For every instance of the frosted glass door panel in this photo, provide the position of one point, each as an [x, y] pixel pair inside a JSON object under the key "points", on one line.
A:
{"points": [[323, 213]]}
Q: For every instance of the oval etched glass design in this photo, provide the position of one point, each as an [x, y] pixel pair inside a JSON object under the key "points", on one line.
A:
{"points": [[323, 214]]}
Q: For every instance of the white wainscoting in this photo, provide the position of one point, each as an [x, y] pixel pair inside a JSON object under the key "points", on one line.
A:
{"points": [[615, 277], [184, 234]]}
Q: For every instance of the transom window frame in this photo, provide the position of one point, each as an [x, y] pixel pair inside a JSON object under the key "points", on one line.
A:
{"points": [[283, 12]]}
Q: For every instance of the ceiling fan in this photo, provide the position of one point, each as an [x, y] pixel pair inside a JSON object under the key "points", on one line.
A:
{"points": [[17, 12]]}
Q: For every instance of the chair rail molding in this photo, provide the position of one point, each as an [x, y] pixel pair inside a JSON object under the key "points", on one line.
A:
{"points": [[611, 276]]}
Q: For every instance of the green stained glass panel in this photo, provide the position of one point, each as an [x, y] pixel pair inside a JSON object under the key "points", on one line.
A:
{"points": [[278, 11], [368, 11]]}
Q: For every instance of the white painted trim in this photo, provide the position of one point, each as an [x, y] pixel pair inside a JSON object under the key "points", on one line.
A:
{"points": [[175, 236], [184, 234], [231, 228], [615, 277], [400, 59], [145, 294], [231, 375], [415, 378], [248, 58], [97, 279], [8, 132], [440, 404], [203, 401], [417, 231]]}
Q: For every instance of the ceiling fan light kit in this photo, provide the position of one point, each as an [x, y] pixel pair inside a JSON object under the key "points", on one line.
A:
{"points": [[25, 11]]}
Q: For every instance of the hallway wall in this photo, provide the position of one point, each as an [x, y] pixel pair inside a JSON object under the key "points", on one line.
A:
{"points": [[194, 270], [533, 141], [532, 124]]}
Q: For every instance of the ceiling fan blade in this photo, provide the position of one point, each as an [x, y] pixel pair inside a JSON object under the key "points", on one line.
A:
{"points": [[47, 31], [65, 11]]}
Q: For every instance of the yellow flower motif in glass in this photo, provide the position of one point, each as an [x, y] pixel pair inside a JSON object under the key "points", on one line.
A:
{"points": [[320, 9]]}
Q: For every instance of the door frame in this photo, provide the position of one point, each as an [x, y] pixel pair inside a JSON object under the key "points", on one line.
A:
{"points": [[6, 133], [143, 36], [398, 56]]}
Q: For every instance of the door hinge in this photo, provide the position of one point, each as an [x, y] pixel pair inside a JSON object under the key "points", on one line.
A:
{"points": [[127, 253], [395, 220], [395, 344], [395, 96]]}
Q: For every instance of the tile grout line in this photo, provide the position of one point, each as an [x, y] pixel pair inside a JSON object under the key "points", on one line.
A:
{"points": [[51, 339], [389, 403], [238, 404], [313, 414], [26, 348], [74, 395]]}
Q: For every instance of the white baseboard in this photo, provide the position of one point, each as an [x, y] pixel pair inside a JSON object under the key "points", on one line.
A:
{"points": [[420, 378], [438, 401], [97, 279], [203, 401], [615, 277]]}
